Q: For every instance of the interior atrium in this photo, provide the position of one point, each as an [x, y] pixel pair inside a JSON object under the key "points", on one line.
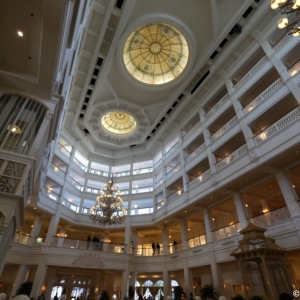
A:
{"points": [[192, 107]]}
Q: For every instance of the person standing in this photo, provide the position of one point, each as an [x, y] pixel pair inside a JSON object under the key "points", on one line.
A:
{"points": [[175, 246], [158, 248], [101, 244], [88, 241], [153, 248]]}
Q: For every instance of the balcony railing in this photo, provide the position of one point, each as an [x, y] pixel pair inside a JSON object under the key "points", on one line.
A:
{"points": [[282, 41], [252, 72], [156, 164], [295, 68], [196, 153], [92, 190], [266, 94], [79, 164], [227, 231], [202, 177], [175, 195], [158, 183], [197, 241], [50, 194], [224, 100], [223, 129], [70, 205], [121, 174], [78, 185], [194, 129], [272, 217], [63, 150], [142, 171], [57, 169], [142, 189], [171, 150], [173, 171], [232, 157], [24, 239], [288, 119], [98, 172], [141, 211]]}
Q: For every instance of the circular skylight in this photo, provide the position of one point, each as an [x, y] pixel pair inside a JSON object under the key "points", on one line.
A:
{"points": [[118, 123], [155, 53]]}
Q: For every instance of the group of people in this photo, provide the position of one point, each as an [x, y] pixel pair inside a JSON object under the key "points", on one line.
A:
{"points": [[155, 247], [97, 244]]}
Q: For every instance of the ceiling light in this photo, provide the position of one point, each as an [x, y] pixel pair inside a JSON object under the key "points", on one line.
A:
{"points": [[287, 7], [213, 219], [189, 229], [20, 33], [246, 205], [108, 208], [169, 236]]}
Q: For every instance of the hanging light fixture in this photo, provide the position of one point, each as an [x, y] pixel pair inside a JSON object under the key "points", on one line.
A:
{"points": [[108, 208], [286, 8]]}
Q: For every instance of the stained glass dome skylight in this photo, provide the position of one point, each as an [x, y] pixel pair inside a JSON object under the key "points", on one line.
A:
{"points": [[155, 53], [118, 123]]}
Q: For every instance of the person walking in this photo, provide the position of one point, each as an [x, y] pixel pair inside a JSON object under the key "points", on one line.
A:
{"points": [[153, 248], [158, 248]]}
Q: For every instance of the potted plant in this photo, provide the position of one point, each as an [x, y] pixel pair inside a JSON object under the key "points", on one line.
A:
{"points": [[208, 292]]}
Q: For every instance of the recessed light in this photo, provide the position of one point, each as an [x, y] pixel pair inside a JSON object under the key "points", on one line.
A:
{"points": [[20, 33], [294, 186], [34, 208], [189, 229], [185, 211], [166, 221]]}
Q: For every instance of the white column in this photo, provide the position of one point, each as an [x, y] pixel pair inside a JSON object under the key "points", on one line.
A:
{"points": [[211, 157], [125, 283], [165, 241], [208, 225], [216, 274], [134, 242], [188, 280], [240, 207], [167, 282], [101, 281], [38, 279], [53, 226], [50, 282], [35, 230], [289, 194], [281, 68], [35, 148], [20, 278], [184, 234], [132, 279], [127, 241]]}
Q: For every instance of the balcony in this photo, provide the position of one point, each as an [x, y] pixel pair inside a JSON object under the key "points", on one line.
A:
{"points": [[173, 171], [281, 124], [198, 180], [232, 157], [216, 107], [226, 232], [224, 129]]}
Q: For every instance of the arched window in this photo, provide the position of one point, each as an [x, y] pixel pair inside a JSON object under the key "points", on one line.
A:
{"points": [[159, 283], [148, 283], [174, 283], [137, 283]]}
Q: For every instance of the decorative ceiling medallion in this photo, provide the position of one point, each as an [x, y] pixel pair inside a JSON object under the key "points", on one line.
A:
{"points": [[156, 53], [118, 123]]}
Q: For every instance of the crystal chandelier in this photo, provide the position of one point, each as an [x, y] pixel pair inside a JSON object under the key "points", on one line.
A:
{"points": [[108, 208], [288, 7]]}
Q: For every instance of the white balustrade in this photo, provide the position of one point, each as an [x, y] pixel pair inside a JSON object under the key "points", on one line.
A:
{"points": [[288, 119], [142, 171], [232, 157], [197, 241], [223, 129], [142, 189], [79, 164], [294, 69], [272, 217], [63, 150], [224, 100], [227, 231], [171, 150], [282, 41], [252, 72], [24, 239], [175, 195], [202, 177], [159, 183], [98, 172], [141, 211], [50, 194], [268, 92], [173, 171], [196, 153], [193, 130]]}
